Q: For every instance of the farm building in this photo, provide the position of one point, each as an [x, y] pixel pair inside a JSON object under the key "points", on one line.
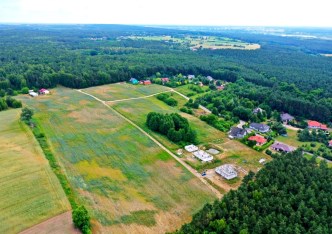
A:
{"points": [[133, 81], [203, 156], [147, 82], [316, 125], [236, 132], [33, 93], [43, 91], [286, 118], [281, 147], [259, 139], [191, 148], [259, 127], [227, 171], [165, 80]]}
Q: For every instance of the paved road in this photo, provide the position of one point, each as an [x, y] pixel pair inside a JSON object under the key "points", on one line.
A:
{"points": [[217, 193]]}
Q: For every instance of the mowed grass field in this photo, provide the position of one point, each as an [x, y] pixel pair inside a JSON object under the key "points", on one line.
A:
{"points": [[128, 184], [30, 193], [124, 90]]}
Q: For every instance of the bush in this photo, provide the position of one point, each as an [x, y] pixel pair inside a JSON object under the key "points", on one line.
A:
{"points": [[165, 97], [26, 114], [81, 219]]}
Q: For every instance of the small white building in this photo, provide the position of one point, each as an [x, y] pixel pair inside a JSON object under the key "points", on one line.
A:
{"points": [[227, 171], [191, 148], [262, 160], [33, 94], [203, 156]]}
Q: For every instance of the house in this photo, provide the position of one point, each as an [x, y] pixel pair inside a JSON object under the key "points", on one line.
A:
{"points": [[203, 156], [33, 93], [191, 148], [147, 82], [190, 77], [330, 143], [133, 81], [165, 80], [286, 118], [236, 132], [259, 127], [209, 78], [221, 87], [227, 171], [281, 147], [257, 110], [259, 139], [43, 91], [317, 125], [200, 84]]}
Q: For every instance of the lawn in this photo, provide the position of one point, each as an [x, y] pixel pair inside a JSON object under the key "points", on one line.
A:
{"points": [[128, 184], [124, 90], [30, 193], [184, 89], [292, 140]]}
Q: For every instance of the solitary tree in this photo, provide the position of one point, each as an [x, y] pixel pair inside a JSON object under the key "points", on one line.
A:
{"points": [[26, 114]]}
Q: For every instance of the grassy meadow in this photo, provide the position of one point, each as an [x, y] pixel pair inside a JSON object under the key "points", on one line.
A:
{"points": [[30, 193], [234, 151], [128, 184], [124, 90]]}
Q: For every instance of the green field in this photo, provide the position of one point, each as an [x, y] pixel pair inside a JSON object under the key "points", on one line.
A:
{"points": [[184, 89], [205, 42], [30, 193], [124, 91], [124, 179], [234, 151]]}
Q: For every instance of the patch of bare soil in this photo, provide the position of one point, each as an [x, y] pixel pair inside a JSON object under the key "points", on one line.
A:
{"points": [[61, 224]]}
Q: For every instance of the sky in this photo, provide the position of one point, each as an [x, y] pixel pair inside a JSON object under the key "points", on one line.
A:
{"points": [[317, 13]]}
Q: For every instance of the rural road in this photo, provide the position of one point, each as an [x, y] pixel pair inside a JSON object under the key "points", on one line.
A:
{"points": [[200, 106], [216, 192], [128, 99]]}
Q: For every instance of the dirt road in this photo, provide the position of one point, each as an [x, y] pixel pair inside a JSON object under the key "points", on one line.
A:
{"points": [[217, 193]]}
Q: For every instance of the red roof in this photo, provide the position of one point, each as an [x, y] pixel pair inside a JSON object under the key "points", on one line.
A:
{"points": [[146, 82], [165, 79], [315, 124], [42, 90], [258, 139], [330, 142]]}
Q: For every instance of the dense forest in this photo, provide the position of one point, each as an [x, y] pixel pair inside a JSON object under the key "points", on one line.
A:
{"points": [[289, 195], [283, 73]]}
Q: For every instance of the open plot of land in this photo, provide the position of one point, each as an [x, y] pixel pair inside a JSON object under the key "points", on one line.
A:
{"points": [[127, 182], [184, 89], [205, 42], [124, 91], [30, 193]]}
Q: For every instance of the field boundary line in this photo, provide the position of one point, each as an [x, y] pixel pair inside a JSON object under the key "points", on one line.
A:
{"points": [[190, 169], [128, 99]]}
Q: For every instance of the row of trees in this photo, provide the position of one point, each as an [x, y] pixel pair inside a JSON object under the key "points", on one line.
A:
{"points": [[174, 126], [9, 102], [289, 195]]}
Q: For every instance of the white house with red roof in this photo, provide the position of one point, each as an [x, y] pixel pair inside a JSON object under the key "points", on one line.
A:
{"points": [[43, 91], [317, 125]]}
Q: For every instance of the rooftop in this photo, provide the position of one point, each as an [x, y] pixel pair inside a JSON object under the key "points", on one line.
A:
{"points": [[227, 171]]}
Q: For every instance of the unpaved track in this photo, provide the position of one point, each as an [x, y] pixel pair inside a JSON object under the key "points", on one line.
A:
{"points": [[216, 192], [128, 99], [61, 224]]}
